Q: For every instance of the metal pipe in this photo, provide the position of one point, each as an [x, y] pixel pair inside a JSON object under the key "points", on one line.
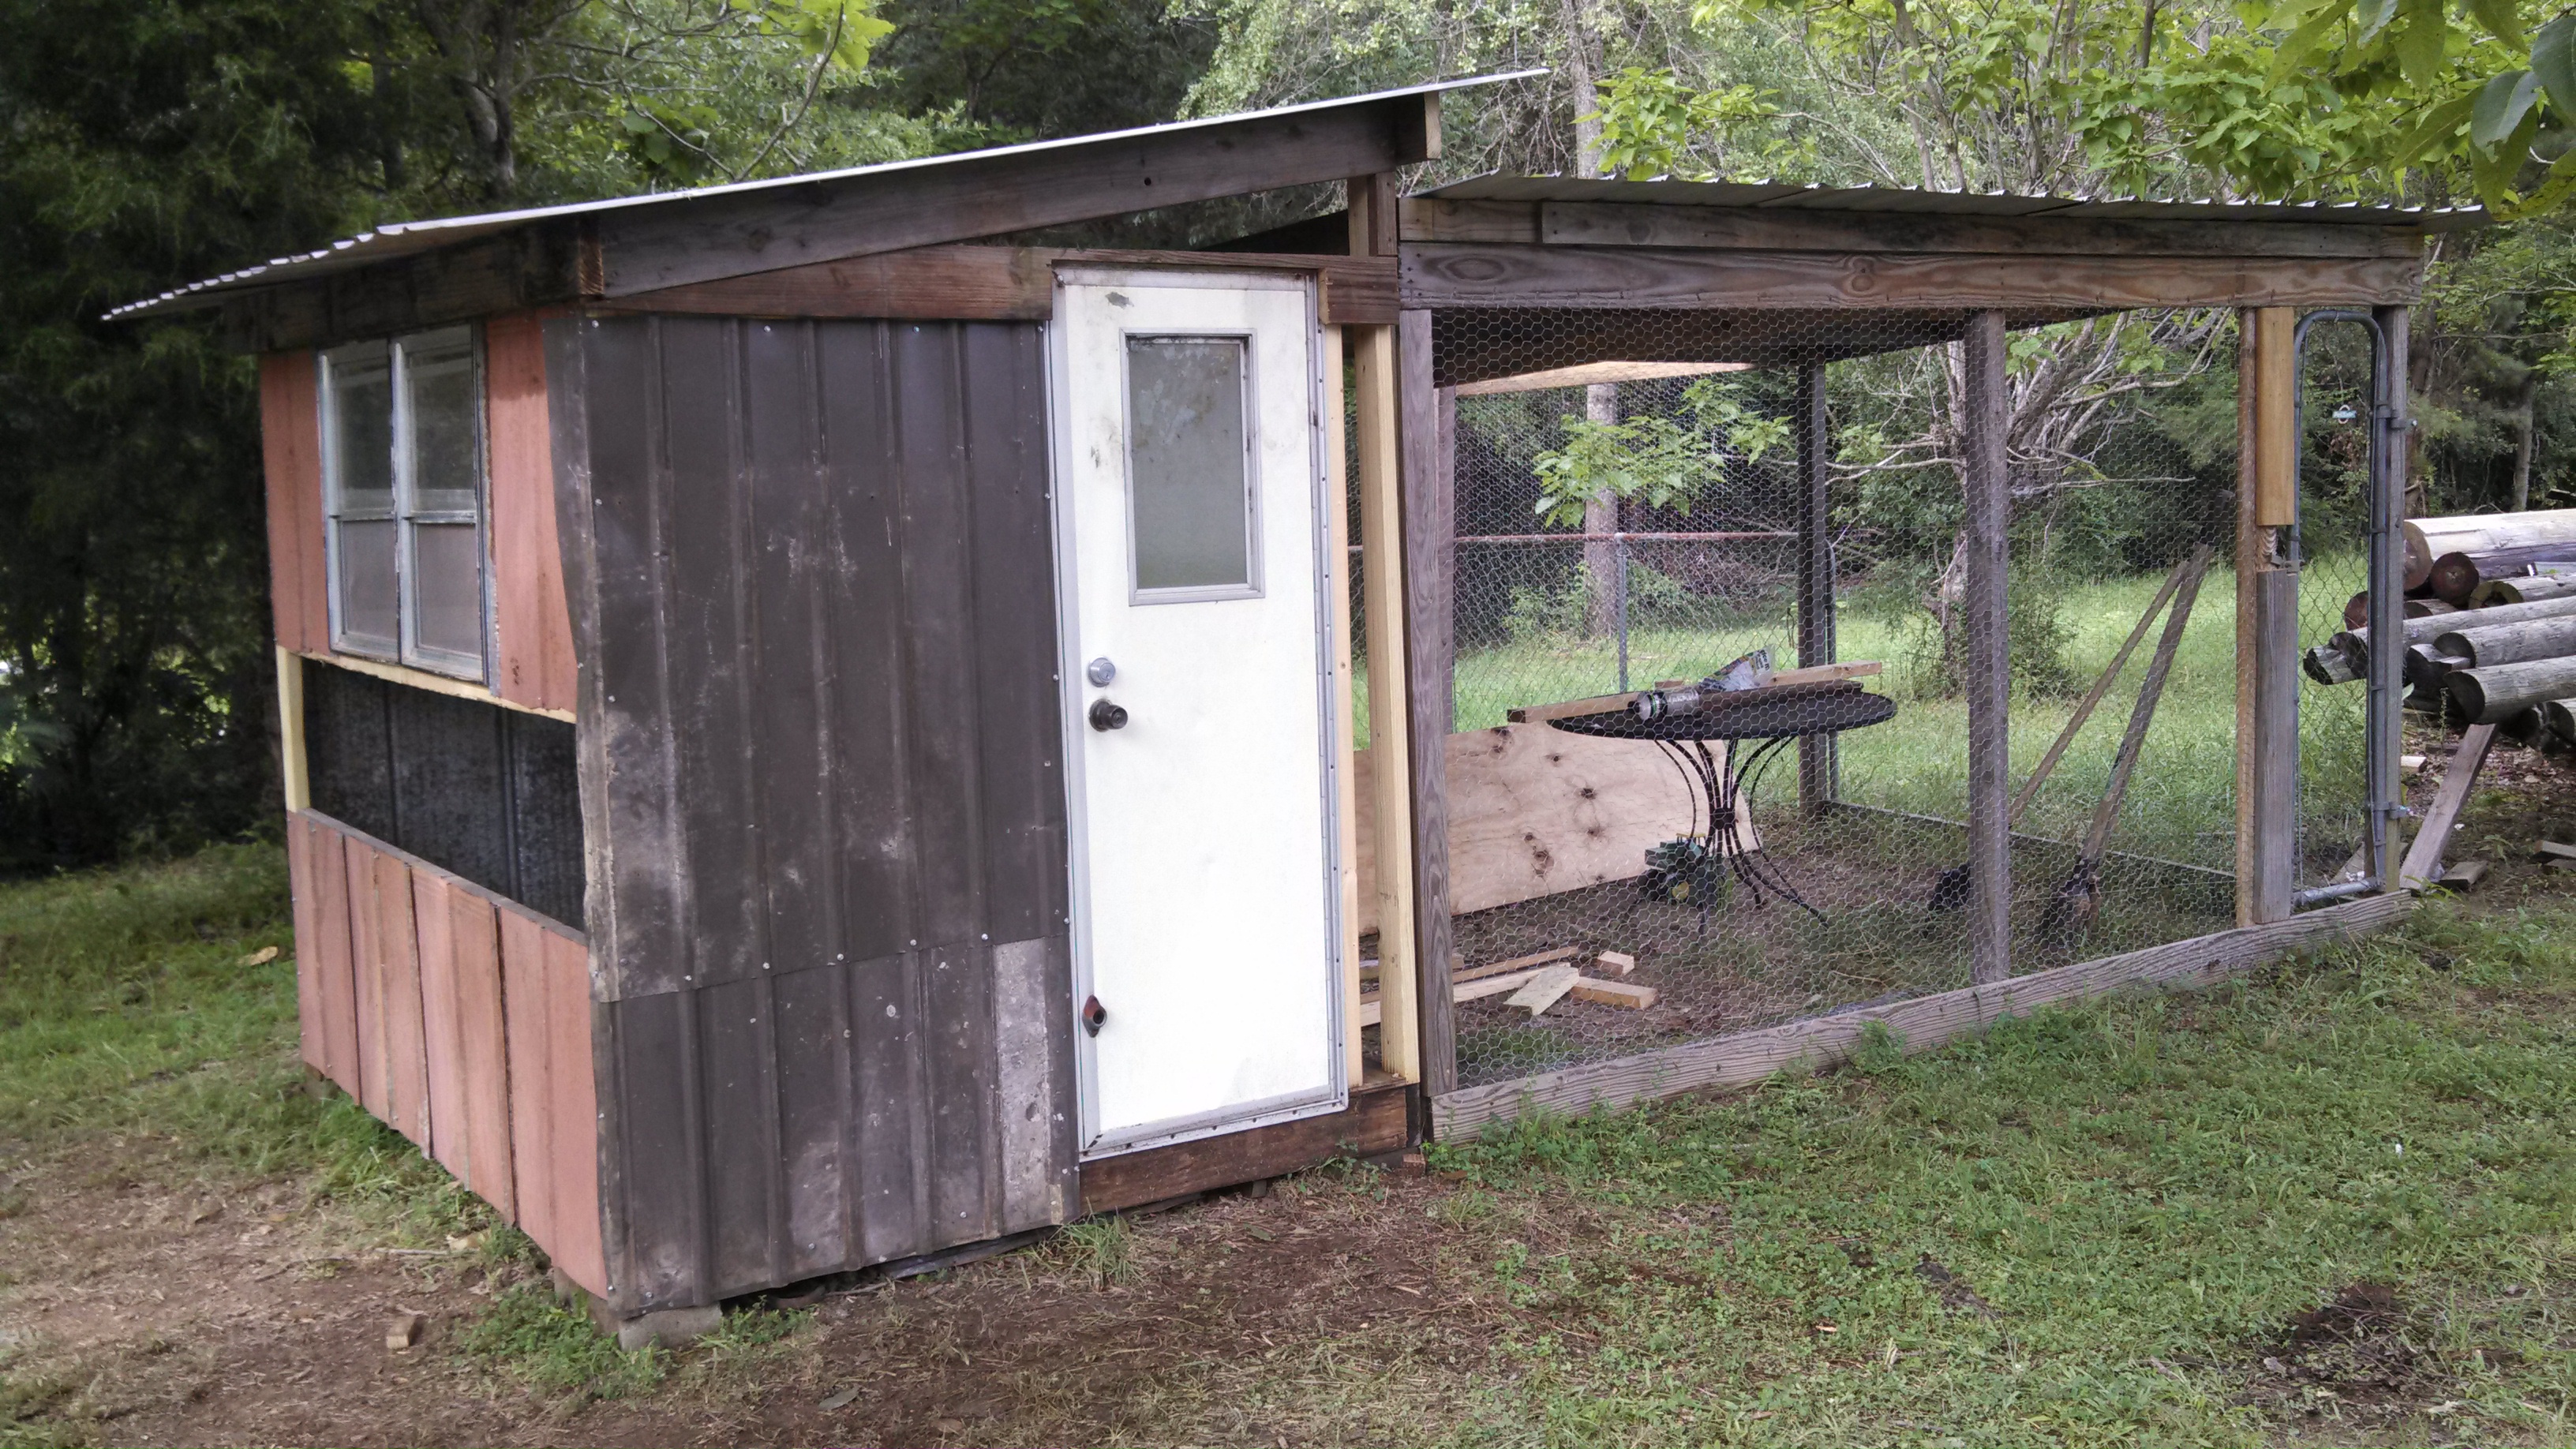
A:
{"points": [[1619, 605]]}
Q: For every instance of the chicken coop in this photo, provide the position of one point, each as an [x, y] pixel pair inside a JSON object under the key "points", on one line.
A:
{"points": [[834, 721]]}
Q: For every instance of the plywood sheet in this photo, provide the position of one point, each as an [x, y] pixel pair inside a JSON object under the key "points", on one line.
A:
{"points": [[290, 427], [531, 626], [483, 1092], [311, 1041], [1535, 811], [366, 974], [406, 1042], [334, 976], [443, 1047], [554, 1099]]}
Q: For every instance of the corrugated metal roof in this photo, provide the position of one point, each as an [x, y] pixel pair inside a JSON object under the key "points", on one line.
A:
{"points": [[401, 239], [1665, 191]]}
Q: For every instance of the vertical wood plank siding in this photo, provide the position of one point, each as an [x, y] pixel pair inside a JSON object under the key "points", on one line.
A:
{"points": [[531, 630], [290, 426], [811, 565], [459, 1018]]}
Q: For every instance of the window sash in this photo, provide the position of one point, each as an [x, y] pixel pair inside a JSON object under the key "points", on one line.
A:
{"points": [[409, 365]]}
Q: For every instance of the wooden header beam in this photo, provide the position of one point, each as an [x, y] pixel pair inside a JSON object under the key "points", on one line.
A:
{"points": [[1445, 275], [1800, 229]]}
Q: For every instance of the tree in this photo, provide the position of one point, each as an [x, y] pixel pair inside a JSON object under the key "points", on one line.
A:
{"points": [[151, 141]]}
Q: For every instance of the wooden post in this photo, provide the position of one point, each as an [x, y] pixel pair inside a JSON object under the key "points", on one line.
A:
{"points": [[1337, 579], [1430, 546], [2267, 610], [1988, 495], [291, 772], [1815, 579], [1390, 729], [2387, 568]]}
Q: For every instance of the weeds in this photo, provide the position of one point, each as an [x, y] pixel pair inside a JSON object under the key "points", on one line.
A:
{"points": [[530, 1336], [1100, 1249]]}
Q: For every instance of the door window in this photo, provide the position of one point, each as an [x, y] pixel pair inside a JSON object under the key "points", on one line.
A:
{"points": [[1189, 469]]}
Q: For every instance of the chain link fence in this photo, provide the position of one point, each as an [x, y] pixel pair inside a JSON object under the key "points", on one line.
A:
{"points": [[1728, 863]]}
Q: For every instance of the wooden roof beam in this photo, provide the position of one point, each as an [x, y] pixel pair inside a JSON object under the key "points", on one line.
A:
{"points": [[643, 249], [1801, 229]]}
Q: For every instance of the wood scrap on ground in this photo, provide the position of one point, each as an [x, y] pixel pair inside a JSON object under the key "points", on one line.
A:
{"points": [[2424, 858], [1613, 993], [1545, 988], [2465, 876], [1618, 963]]}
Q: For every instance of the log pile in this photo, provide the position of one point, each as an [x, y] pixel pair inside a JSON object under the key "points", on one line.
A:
{"points": [[2489, 624]]}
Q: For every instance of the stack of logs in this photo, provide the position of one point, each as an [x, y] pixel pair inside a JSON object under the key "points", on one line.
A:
{"points": [[2490, 621]]}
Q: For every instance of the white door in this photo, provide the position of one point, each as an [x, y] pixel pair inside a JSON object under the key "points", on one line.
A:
{"points": [[1199, 747]]}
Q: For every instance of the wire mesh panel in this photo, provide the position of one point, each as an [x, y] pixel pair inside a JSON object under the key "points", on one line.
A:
{"points": [[1711, 649], [2335, 428]]}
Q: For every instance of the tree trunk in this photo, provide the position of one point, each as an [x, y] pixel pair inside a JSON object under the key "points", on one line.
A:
{"points": [[1601, 515], [2510, 643], [2522, 405], [2496, 693]]}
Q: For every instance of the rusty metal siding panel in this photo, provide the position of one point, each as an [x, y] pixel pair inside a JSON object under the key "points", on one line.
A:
{"points": [[863, 576], [641, 937], [1014, 580], [815, 567]]}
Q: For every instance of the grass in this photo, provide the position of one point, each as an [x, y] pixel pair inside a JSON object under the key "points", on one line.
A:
{"points": [[2091, 1226], [136, 1008], [2096, 1225], [2180, 806]]}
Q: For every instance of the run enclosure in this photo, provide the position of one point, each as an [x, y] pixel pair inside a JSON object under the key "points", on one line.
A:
{"points": [[955, 628]]}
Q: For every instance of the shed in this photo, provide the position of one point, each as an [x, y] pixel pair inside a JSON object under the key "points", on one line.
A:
{"points": [[826, 724]]}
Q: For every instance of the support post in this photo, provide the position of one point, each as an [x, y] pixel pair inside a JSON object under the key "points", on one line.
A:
{"points": [[1390, 729], [1430, 547], [291, 770], [1988, 496], [2387, 569], [1337, 539], [2267, 615], [1815, 580], [1603, 570]]}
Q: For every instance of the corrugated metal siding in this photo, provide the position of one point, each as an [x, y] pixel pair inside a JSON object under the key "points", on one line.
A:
{"points": [[812, 572]]}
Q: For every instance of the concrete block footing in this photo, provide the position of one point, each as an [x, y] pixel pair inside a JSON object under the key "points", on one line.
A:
{"points": [[668, 1327]]}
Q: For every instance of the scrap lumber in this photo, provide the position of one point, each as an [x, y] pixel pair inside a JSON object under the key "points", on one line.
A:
{"points": [[2466, 876], [1372, 1010], [1620, 963], [1517, 963], [1545, 988], [2495, 694], [2556, 850], [1613, 993], [2424, 858], [1613, 703]]}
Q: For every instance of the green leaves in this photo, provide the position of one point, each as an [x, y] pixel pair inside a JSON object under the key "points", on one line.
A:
{"points": [[2553, 60], [1649, 458], [2501, 105]]}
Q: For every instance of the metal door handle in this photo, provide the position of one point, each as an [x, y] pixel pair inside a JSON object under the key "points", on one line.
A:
{"points": [[1107, 716], [1093, 1014]]}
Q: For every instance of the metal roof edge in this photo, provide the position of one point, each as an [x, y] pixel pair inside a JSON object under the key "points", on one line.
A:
{"points": [[407, 238]]}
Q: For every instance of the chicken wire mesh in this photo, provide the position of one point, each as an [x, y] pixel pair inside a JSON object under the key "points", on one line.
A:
{"points": [[1739, 861]]}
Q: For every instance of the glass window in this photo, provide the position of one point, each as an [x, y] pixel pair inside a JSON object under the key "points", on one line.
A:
{"points": [[440, 466], [1189, 471], [358, 452], [403, 475]]}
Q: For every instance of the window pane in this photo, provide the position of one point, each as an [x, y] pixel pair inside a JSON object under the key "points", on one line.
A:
{"points": [[447, 593], [1188, 480], [362, 431], [366, 561], [446, 456]]}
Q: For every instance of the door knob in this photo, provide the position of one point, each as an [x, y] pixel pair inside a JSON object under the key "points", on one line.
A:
{"points": [[1107, 716]]}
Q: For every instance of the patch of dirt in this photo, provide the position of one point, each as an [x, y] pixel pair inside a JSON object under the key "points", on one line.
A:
{"points": [[148, 1317], [2359, 1368]]}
